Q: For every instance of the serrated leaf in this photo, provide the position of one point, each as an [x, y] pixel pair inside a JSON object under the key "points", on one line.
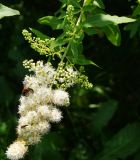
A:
{"points": [[99, 3], [39, 34], [51, 21], [103, 115], [6, 11], [101, 20], [123, 144], [113, 34]]}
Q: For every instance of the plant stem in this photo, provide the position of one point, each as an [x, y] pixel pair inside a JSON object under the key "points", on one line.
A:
{"points": [[76, 26]]}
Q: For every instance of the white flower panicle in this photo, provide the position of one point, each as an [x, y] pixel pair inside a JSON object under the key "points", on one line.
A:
{"points": [[43, 91], [37, 108], [16, 150]]}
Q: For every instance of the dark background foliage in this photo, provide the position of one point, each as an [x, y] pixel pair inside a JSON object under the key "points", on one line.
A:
{"points": [[102, 123]]}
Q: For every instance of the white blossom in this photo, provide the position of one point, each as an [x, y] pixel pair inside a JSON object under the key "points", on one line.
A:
{"points": [[61, 98], [44, 111], [34, 139], [43, 127], [37, 108], [55, 115], [16, 150], [43, 95]]}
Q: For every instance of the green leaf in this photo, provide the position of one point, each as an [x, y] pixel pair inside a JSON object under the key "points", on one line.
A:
{"points": [[39, 34], [87, 2], [113, 34], [60, 41], [103, 115], [136, 11], [124, 143], [99, 3], [6, 11], [51, 21], [101, 20], [90, 31], [75, 55], [133, 28], [74, 3]]}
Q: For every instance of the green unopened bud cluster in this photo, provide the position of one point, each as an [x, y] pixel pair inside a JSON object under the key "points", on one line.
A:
{"points": [[71, 21], [64, 77], [43, 47], [67, 76]]}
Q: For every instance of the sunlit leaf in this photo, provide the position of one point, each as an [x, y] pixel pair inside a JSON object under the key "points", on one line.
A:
{"points": [[101, 20], [99, 3], [6, 11]]}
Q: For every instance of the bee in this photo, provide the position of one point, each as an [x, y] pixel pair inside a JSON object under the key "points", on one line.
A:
{"points": [[26, 90]]}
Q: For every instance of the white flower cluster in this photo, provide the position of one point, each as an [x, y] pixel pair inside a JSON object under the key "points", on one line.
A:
{"points": [[16, 150], [37, 109]]}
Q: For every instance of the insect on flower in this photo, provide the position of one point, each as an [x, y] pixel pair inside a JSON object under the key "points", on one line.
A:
{"points": [[26, 90], [24, 126]]}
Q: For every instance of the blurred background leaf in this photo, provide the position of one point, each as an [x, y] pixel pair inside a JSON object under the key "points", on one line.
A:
{"points": [[6, 11]]}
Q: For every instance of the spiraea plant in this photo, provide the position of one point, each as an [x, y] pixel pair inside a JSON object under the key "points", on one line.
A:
{"points": [[45, 88]]}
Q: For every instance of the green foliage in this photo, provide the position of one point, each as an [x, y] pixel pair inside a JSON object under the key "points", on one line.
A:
{"points": [[107, 24], [123, 144], [102, 20], [39, 34], [113, 34], [54, 22], [75, 21], [6, 11], [99, 3], [103, 115], [134, 27], [109, 128]]}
